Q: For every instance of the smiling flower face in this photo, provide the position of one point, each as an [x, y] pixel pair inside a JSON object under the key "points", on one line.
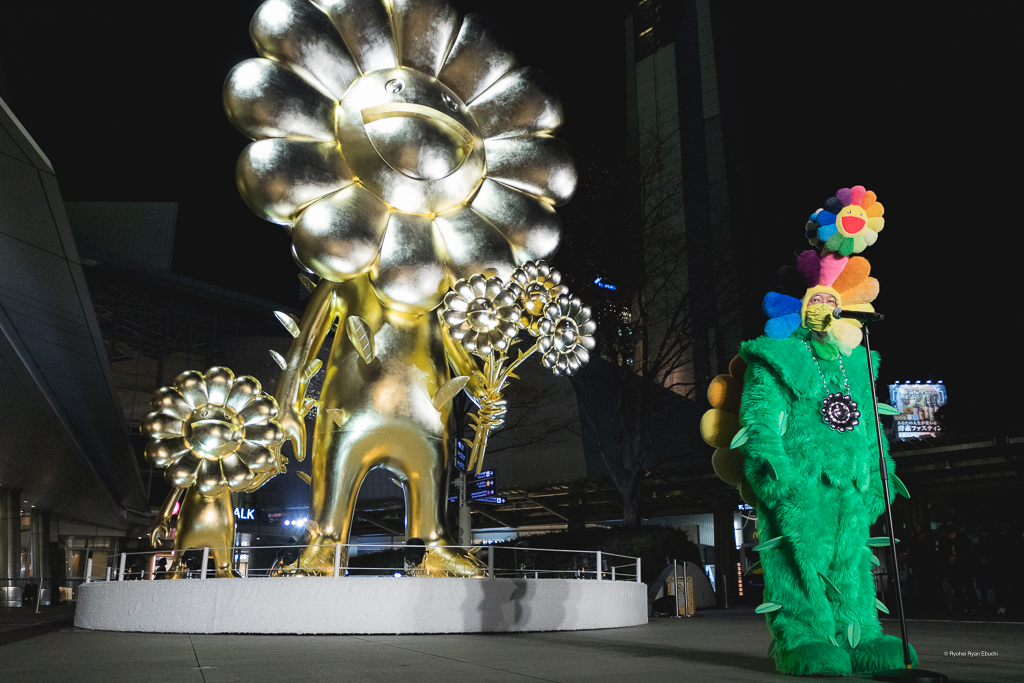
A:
{"points": [[848, 223], [396, 140], [213, 431]]}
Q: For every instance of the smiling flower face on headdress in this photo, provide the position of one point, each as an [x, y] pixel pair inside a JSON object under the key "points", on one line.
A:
{"points": [[848, 223], [396, 140]]}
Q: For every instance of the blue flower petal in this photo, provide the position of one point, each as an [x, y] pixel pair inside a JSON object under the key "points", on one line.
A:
{"points": [[777, 305], [780, 328], [826, 231], [826, 218]]}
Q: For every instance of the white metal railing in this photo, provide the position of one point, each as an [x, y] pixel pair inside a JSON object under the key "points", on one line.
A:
{"points": [[501, 562]]}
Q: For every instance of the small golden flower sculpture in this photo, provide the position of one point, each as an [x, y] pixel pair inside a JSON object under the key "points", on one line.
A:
{"points": [[213, 431], [484, 314]]}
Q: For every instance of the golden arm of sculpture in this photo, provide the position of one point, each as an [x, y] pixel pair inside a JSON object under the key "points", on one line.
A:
{"points": [[160, 528], [323, 309]]}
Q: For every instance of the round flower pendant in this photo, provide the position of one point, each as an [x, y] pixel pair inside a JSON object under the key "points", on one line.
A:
{"points": [[839, 412]]}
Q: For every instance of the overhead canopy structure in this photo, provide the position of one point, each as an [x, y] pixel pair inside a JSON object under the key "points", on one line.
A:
{"points": [[63, 439]]}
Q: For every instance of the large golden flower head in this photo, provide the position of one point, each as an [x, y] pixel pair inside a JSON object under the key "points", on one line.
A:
{"points": [[212, 430], [393, 138]]}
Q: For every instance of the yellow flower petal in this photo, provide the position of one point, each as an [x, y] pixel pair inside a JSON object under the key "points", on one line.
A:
{"points": [[259, 458], [278, 178], [265, 100], [162, 452], [236, 473], [847, 333], [244, 390], [260, 411], [423, 31], [876, 224], [182, 472], [339, 237], [210, 479], [192, 387], [409, 275], [472, 245], [160, 426], [298, 34], [218, 384], [531, 225], [476, 61], [366, 30], [537, 164], [168, 401], [518, 104]]}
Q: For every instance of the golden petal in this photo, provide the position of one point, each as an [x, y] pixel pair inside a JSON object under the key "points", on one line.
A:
{"points": [[263, 99], [278, 178], [244, 389], [162, 452], [340, 236], [476, 61], [582, 355], [424, 29], [366, 29], [455, 302], [218, 384], [538, 164], [409, 276], [160, 426], [210, 478], [300, 35], [259, 458], [473, 245], [192, 387], [521, 103], [260, 411], [454, 317], [182, 472], [531, 225], [263, 434], [478, 283], [168, 401], [465, 292], [236, 472]]}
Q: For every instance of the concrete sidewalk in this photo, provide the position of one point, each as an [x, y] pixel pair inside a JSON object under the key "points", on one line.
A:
{"points": [[717, 645]]}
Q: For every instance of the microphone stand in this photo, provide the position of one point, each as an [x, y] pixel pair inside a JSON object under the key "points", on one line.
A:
{"points": [[907, 673]]}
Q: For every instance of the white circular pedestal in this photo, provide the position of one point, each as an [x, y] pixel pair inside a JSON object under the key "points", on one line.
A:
{"points": [[360, 604]]}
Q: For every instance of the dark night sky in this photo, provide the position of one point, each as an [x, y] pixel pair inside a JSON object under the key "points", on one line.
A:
{"points": [[914, 105]]}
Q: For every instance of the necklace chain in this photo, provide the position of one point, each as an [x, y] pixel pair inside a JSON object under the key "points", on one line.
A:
{"points": [[824, 382]]}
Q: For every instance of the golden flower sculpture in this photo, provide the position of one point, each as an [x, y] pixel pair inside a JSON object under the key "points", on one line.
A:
{"points": [[566, 335], [213, 431], [482, 313], [393, 138]]}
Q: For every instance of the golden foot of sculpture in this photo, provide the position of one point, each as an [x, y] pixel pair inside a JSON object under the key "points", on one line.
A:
{"points": [[443, 561]]}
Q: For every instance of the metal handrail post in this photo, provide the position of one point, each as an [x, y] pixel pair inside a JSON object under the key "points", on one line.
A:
{"points": [[490, 562], [120, 574], [88, 570], [638, 570], [337, 559], [206, 558], [599, 565]]}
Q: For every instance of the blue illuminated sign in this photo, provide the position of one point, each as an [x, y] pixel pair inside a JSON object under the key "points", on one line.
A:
{"points": [[604, 284]]}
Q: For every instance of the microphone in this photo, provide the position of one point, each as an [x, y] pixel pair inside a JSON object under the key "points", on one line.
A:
{"points": [[863, 316]]}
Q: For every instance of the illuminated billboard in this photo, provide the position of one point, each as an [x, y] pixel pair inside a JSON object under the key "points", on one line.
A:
{"points": [[917, 405]]}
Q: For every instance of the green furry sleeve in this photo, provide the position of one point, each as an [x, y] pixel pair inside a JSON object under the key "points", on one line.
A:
{"points": [[768, 467]]}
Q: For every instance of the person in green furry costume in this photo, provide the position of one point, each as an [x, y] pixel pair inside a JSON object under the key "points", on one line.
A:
{"points": [[818, 490]]}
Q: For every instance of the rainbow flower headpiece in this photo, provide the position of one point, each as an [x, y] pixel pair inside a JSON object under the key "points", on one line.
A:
{"points": [[848, 223], [836, 232]]}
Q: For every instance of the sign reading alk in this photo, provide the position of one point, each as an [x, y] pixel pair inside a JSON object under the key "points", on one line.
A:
{"points": [[245, 513]]}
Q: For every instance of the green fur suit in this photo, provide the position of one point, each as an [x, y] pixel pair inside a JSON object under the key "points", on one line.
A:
{"points": [[824, 494]]}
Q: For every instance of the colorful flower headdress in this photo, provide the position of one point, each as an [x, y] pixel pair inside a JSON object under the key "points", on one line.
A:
{"points": [[836, 231], [848, 223]]}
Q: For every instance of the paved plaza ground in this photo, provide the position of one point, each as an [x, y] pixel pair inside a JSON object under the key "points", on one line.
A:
{"points": [[716, 645]]}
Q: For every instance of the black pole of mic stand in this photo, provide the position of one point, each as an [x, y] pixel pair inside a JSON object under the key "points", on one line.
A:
{"points": [[907, 673]]}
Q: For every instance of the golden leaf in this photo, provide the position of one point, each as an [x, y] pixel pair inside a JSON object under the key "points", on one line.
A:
{"points": [[290, 322], [448, 391], [361, 337]]}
